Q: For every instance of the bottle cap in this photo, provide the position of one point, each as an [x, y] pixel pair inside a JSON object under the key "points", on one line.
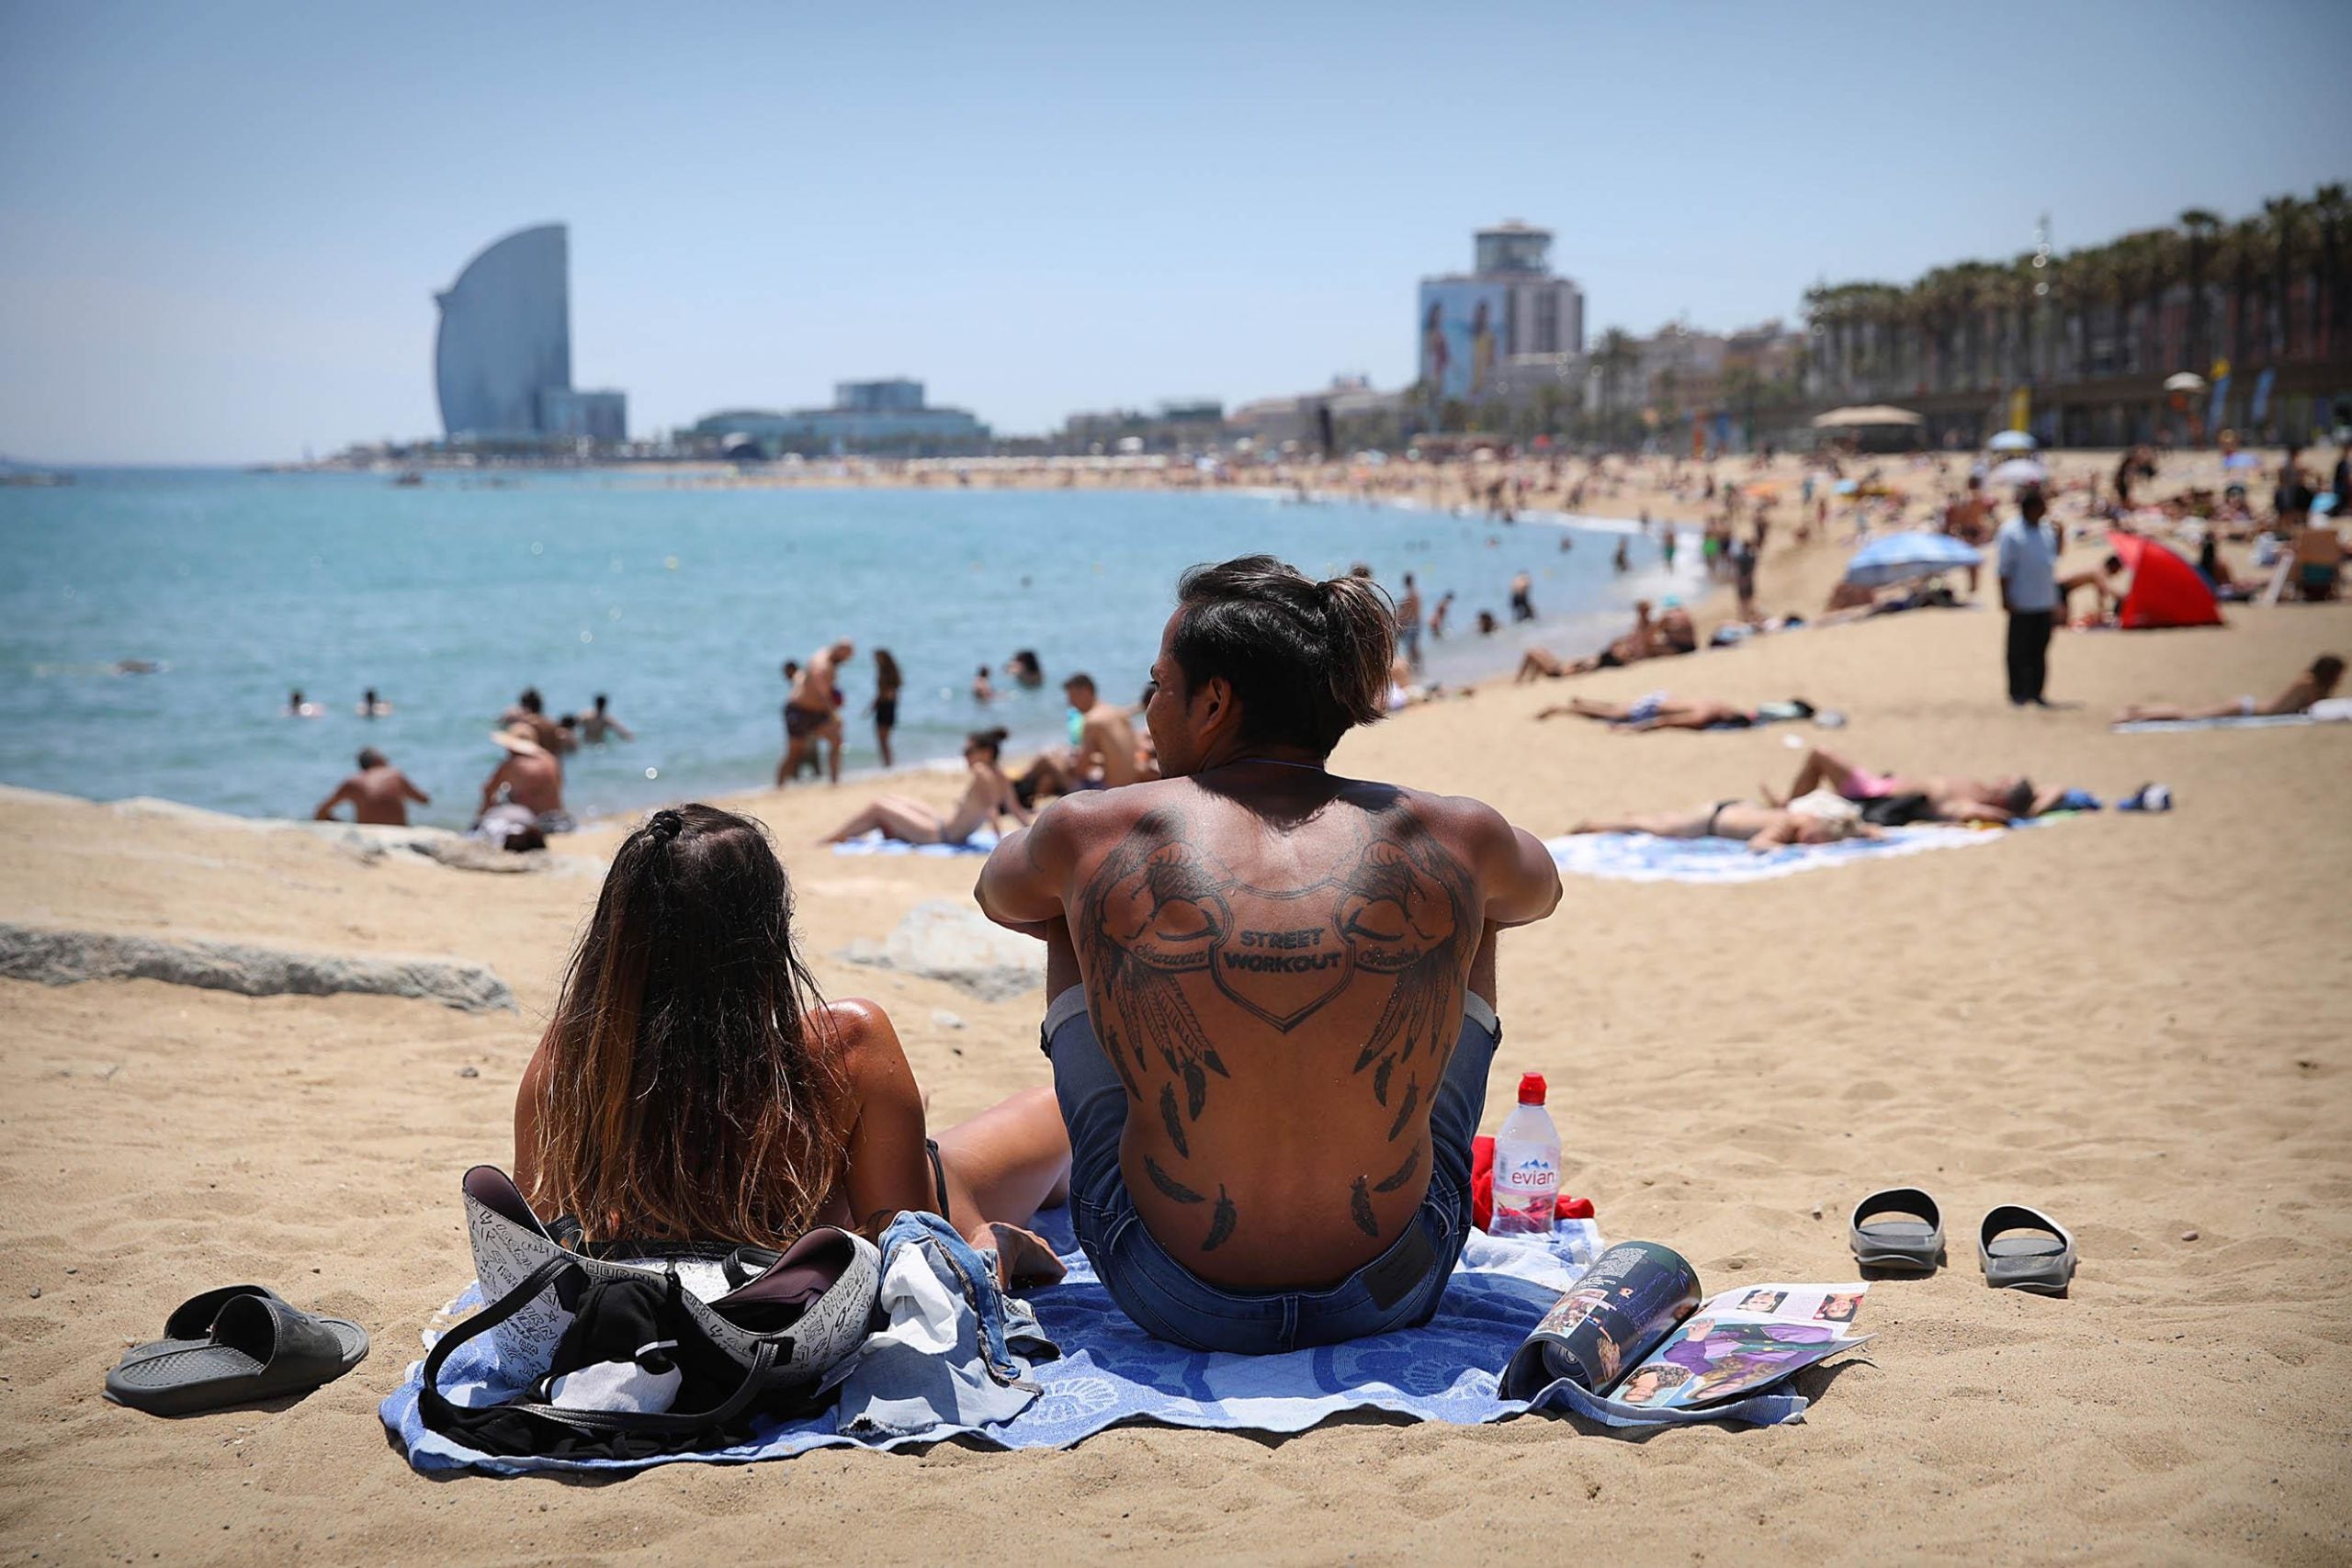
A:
{"points": [[1531, 1089]]}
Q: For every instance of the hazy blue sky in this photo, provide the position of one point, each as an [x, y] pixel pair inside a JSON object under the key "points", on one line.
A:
{"points": [[221, 225]]}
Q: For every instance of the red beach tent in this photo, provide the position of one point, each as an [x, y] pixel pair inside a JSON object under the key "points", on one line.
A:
{"points": [[2165, 590]]}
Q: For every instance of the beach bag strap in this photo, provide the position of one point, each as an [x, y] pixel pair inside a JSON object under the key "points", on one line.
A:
{"points": [[442, 1417]]}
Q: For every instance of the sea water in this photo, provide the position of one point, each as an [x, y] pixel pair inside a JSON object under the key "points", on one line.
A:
{"points": [[679, 600]]}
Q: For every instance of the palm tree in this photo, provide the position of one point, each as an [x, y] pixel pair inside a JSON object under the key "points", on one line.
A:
{"points": [[2331, 208], [2201, 225], [2282, 220]]}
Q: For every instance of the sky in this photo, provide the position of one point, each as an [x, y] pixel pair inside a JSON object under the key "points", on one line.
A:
{"points": [[221, 225]]}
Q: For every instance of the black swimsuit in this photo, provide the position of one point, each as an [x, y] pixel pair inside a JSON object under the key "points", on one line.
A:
{"points": [[938, 1177]]}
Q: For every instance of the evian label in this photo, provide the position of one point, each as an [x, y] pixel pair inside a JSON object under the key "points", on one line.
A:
{"points": [[1528, 1180]]}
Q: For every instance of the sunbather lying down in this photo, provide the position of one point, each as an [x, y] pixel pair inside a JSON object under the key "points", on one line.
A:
{"points": [[1764, 828], [1659, 711], [1928, 798], [1673, 632], [2313, 684]]}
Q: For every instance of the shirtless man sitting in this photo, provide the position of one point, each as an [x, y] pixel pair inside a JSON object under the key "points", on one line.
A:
{"points": [[1104, 757], [1273, 987], [378, 793], [531, 776], [1764, 827], [1947, 800], [812, 713]]}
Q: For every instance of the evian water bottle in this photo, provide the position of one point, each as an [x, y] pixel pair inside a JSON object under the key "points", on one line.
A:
{"points": [[1526, 1166]]}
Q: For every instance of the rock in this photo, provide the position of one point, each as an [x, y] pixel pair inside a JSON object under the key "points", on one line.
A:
{"points": [[2188, 1235], [34, 1293], [941, 1018], [470, 1072], [59, 957], [950, 941]]}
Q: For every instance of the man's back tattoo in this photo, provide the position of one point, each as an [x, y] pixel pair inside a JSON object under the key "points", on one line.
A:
{"points": [[1163, 912]]}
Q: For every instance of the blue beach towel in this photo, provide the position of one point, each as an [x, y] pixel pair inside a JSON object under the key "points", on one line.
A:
{"points": [[1112, 1372], [1644, 857], [874, 843], [2229, 721]]}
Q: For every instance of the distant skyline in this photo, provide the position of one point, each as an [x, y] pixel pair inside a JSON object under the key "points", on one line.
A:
{"points": [[221, 227]]}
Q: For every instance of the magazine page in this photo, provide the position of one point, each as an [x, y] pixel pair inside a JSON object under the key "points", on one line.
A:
{"points": [[1620, 1309], [1744, 1339]]}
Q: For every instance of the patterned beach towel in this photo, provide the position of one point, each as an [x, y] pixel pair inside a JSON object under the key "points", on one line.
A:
{"points": [[1111, 1372]]}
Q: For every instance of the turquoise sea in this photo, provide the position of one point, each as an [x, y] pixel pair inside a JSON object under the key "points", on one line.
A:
{"points": [[680, 602]]}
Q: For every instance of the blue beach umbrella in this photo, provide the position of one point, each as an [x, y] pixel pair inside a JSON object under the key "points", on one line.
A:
{"points": [[1898, 558]]}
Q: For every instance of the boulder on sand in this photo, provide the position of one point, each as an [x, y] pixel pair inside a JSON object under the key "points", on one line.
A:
{"points": [[943, 940], [53, 957]]}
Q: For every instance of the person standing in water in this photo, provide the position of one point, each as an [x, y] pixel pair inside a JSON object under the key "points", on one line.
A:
{"points": [[1409, 623], [812, 712], [888, 684], [599, 721], [371, 706]]}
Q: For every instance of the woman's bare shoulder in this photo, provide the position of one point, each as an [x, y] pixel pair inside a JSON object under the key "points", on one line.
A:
{"points": [[855, 1034]]}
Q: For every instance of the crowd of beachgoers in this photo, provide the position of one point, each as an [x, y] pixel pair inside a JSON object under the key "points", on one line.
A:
{"points": [[2275, 518]]}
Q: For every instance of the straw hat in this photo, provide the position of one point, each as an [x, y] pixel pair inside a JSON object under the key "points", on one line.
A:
{"points": [[518, 740]]}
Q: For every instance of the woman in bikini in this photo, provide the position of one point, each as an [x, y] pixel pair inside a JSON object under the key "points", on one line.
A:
{"points": [[1762, 828], [2313, 685], [988, 796], [693, 1084]]}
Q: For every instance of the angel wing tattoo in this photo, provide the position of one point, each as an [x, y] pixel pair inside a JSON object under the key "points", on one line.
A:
{"points": [[1160, 913], [1402, 916]]}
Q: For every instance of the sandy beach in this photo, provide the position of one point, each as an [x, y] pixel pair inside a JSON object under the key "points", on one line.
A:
{"points": [[2140, 1023]]}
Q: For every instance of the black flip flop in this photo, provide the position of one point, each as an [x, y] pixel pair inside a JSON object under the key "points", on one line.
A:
{"points": [[1913, 1246], [2024, 1249], [258, 1347], [190, 1324]]}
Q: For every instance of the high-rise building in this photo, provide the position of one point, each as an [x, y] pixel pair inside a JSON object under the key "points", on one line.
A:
{"points": [[1469, 326], [502, 362]]}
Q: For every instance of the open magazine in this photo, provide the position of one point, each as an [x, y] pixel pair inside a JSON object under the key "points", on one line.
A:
{"points": [[1634, 1331]]}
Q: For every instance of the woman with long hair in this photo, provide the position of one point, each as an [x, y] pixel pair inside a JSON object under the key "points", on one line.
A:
{"points": [[888, 684], [989, 798], [694, 1085]]}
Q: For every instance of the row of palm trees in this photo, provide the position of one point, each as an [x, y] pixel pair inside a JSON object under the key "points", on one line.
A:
{"points": [[2271, 289]]}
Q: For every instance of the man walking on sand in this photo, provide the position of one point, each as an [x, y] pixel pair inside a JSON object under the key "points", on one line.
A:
{"points": [[378, 793], [2026, 552], [1273, 987]]}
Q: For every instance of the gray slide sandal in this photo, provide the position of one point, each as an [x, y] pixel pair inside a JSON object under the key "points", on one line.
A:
{"points": [[2024, 1249], [255, 1347], [190, 1324], [1911, 1244]]}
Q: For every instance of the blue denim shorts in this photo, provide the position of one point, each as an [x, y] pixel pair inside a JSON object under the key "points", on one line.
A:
{"points": [[1399, 1289]]}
